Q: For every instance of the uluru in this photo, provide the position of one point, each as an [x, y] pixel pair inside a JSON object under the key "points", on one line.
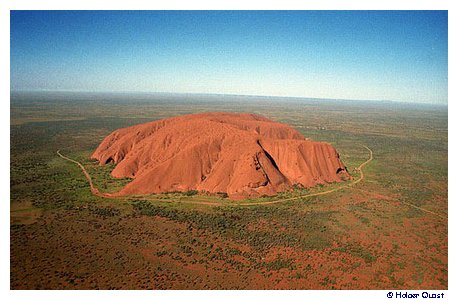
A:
{"points": [[240, 154]]}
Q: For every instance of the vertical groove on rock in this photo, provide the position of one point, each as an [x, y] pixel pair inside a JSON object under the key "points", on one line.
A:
{"points": [[214, 152]]}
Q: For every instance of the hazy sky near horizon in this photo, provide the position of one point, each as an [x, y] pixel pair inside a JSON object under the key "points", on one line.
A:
{"points": [[380, 55]]}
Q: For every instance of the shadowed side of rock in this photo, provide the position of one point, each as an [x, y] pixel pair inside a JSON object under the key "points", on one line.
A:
{"points": [[243, 155]]}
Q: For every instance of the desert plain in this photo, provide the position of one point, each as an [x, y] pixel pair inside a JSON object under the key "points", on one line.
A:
{"points": [[386, 231]]}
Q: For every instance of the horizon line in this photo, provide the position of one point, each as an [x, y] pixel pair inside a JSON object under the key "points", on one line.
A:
{"points": [[223, 94]]}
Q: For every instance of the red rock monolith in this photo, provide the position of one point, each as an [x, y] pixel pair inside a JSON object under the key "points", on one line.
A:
{"points": [[243, 155]]}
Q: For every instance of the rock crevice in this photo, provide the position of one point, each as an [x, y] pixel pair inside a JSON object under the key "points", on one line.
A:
{"points": [[243, 155]]}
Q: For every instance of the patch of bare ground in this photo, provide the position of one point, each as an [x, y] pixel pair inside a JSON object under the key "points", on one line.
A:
{"points": [[132, 251], [24, 213]]}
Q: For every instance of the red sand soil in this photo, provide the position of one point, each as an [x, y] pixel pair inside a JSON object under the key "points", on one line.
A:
{"points": [[243, 155]]}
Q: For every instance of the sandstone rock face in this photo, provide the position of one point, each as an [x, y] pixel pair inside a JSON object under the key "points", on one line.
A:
{"points": [[243, 155]]}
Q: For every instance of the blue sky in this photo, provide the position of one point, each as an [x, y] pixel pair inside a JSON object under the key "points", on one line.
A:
{"points": [[380, 55]]}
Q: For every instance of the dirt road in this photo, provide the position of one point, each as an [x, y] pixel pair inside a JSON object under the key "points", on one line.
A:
{"points": [[361, 177], [97, 193], [94, 190]]}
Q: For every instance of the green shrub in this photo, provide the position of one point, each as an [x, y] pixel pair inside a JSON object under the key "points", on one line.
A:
{"points": [[190, 193]]}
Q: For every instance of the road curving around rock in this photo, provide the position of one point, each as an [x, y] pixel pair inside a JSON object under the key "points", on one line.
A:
{"points": [[95, 191]]}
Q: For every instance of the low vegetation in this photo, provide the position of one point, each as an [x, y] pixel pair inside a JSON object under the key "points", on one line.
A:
{"points": [[364, 237]]}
